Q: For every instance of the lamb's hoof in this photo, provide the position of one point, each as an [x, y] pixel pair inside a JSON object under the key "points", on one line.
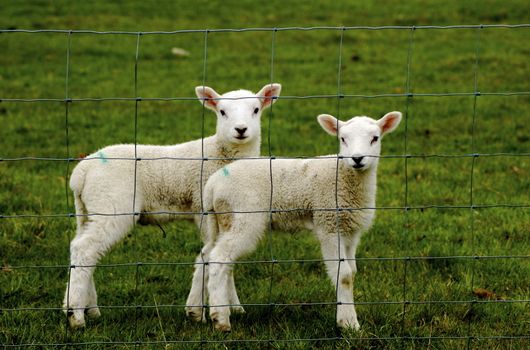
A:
{"points": [[346, 324], [93, 312], [237, 309], [223, 327], [196, 314], [221, 323], [76, 319]]}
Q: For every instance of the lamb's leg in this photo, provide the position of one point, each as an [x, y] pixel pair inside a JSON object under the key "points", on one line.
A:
{"points": [[92, 309], [341, 276], [199, 292], [241, 239], [218, 284], [351, 248], [89, 245], [235, 304]]}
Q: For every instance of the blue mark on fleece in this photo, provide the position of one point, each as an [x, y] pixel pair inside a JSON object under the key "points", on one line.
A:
{"points": [[225, 171], [102, 157]]}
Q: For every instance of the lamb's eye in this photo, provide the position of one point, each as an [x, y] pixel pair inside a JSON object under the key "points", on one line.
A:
{"points": [[374, 140], [222, 112], [342, 139], [256, 110]]}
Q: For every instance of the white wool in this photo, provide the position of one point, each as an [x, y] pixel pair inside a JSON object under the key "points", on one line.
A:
{"points": [[104, 185], [306, 193]]}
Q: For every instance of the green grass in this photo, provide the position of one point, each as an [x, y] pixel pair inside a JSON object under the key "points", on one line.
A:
{"points": [[306, 63]]}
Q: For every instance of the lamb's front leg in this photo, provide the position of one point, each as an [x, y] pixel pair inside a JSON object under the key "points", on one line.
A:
{"points": [[341, 276], [351, 248]]}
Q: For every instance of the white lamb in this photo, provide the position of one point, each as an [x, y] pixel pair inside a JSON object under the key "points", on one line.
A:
{"points": [[104, 191], [303, 196]]}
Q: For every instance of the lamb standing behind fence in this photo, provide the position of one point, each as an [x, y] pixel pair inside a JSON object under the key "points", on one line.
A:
{"points": [[241, 194], [108, 181]]}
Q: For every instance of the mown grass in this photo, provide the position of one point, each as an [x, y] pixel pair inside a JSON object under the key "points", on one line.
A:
{"points": [[441, 313]]}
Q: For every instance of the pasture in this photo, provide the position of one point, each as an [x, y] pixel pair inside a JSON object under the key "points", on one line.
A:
{"points": [[446, 264]]}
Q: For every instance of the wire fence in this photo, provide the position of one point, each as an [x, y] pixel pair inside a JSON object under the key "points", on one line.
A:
{"points": [[401, 337]]}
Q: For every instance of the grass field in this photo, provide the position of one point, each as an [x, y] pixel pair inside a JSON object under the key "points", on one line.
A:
{"points": [[448, 301]]}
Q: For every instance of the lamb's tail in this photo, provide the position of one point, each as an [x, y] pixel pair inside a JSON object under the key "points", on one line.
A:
{"points": [[77, 179], [210, 227], [77, 183]]}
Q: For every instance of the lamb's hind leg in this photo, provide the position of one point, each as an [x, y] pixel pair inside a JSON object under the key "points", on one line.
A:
{"points": [[242, 238], [235, 304], [199, 292], [92, 309], [98, 235]]}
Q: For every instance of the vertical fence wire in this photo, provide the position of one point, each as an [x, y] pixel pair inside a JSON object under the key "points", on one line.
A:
{"points": [[340, 259], [136, 214], [271, 198], [473, 262], [67, 170], [409, 94], [203, 213]]}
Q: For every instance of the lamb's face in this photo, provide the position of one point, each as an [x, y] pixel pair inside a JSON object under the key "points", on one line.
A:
{"points": [[239, 117], [238, 112], [360, 137], [360, 142]]}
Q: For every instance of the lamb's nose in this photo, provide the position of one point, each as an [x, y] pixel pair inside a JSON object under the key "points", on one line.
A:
{"points": [[241, 131], [357, 160]]}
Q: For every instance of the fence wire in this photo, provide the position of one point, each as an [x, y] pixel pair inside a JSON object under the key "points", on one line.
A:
{"points": [[272, 339]]}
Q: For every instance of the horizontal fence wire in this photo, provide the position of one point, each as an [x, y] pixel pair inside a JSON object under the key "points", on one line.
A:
{"points": [[279, 29], [395, 156], [275, 261], [270, 338], [308, 97], [274, 211]]}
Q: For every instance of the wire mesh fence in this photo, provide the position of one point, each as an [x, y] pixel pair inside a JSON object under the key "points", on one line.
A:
{"points": [[407, 328]]}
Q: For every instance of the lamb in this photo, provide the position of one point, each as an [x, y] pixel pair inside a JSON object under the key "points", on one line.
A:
{"points": [[104, 185], [320, 189]]}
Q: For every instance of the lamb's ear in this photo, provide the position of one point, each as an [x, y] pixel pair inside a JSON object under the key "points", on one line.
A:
{"points": [[389, 122], [268, 94], [329, 123], [208, 96]]}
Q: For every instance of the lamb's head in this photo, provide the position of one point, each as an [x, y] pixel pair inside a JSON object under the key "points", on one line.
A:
{"points": [[360, 137], [238, 112]]}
